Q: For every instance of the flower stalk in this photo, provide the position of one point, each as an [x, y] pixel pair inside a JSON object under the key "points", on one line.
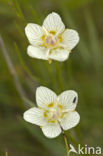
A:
{"points": [[66, 142], [58, 72], [6, 154]]}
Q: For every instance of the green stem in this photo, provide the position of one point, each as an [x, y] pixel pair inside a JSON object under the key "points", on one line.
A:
{"points": [[6, 153], [66, 142], [58, 72]]}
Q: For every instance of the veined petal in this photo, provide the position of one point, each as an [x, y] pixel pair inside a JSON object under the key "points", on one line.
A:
{"points": [[45, 97], [37, 52], [68, 99], [59, 54], [34, 33], [70, 120], [53, 22], [51, 130], [35, 116], [70, 38]]}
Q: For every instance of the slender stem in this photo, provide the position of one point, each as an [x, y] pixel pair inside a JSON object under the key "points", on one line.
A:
{"points": [[58, 72], [66, 142], [6, 153]]}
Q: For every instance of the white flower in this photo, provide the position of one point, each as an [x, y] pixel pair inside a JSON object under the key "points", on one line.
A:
{"points": [[51, 40], [54, 111]]}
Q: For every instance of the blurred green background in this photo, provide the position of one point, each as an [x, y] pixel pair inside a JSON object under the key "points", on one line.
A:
{"points": [[82, 72]]}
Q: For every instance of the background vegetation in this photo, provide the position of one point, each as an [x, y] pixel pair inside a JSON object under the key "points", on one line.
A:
{"points": [[82, 72]]}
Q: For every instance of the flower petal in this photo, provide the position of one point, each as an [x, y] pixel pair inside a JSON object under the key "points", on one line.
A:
{"points": [[34, 33], [37, 52], [59, 54], [51, 130], [70, 120], [68, 99], [70, 38], [35, 116], [45, 96], [53, 22]]}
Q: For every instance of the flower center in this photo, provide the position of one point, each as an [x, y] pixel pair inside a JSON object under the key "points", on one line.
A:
{"points": [[54, 114], [51, 40]]}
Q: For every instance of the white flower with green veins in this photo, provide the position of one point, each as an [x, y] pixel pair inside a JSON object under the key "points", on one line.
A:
{"points": [[51, 41], [54, 113]]}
